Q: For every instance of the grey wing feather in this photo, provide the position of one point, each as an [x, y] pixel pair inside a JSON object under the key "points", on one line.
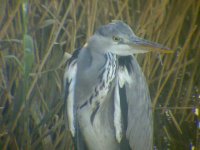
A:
{"points": [[139, 130], [69, 82]]}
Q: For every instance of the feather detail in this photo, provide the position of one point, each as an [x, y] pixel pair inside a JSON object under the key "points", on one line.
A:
{"points": [[124, 76], [117, 114], [69, 85]]}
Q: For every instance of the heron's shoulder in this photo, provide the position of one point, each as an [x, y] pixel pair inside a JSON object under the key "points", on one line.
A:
{"points": [[129, 70], [71, 68], [126, 61], [74, 56], [125, 70]]}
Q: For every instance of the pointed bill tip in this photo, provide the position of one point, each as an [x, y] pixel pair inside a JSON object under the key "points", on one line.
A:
{"points": [[149, 46], [165, 50]]}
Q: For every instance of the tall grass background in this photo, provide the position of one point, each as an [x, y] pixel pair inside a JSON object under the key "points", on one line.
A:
{"points": [[37, 37]]}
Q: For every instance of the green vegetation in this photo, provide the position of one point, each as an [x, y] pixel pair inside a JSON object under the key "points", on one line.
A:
{"points": [[36, 36]]}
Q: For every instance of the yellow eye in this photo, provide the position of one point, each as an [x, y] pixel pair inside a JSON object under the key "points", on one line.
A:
{"points": [[116, 38]]}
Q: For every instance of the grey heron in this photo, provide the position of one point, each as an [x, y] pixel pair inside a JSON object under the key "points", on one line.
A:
{"points": [[107, 101]]}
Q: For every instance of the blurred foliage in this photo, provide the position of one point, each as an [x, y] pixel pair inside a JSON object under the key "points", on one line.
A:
{"points": [[36, 36]]}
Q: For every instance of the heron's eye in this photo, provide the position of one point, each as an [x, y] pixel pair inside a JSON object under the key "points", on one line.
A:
{"points": [[116, 38]]}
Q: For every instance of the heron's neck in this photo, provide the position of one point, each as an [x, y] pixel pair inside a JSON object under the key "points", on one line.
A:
{"points": [[92, 67], [98, 75], [98, 44]]}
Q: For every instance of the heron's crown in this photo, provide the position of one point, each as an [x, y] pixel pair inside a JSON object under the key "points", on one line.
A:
{"points": [[115, 28]]}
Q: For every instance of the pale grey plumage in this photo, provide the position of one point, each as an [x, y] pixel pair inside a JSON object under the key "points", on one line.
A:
{"points": [[107, 99]]}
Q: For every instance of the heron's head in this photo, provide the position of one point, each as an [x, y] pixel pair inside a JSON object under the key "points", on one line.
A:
{"points": [[118, 38]]}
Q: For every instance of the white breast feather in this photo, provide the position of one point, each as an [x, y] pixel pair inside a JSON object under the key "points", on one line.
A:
{"points": [[70, 74], [124, 76], [117, 114]]}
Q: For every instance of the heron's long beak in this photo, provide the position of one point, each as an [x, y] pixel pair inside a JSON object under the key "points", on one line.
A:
{"points": [[146, 46]]}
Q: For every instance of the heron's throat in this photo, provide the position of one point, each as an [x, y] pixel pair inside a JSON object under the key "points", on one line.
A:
{"points": [[107, 75]]}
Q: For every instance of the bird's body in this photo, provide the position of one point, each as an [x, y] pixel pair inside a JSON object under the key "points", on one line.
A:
{"points": [[94, 96], [107, 98]]}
